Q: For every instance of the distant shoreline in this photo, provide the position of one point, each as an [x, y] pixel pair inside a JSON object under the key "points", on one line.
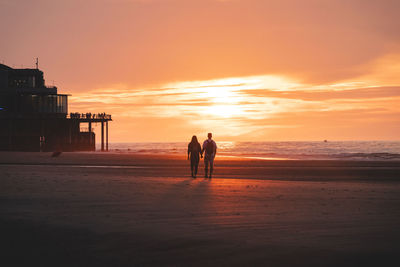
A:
{"points": [[272, 150]]}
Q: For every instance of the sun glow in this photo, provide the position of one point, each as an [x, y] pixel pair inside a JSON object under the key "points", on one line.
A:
{"points": [[270, 82], [221, 95], [224, 111], [244, 106], [225, 97]]}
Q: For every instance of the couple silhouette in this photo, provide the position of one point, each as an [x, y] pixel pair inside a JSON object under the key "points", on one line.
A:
{"points": [[195, 151]]}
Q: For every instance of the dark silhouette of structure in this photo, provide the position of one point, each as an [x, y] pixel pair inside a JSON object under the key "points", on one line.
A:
{"points": [[34, 117]]}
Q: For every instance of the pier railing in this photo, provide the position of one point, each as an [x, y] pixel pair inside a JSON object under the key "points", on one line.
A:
{"points": [[88, 116]]}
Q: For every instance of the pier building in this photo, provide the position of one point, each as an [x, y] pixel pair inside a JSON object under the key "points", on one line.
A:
{"points": [[34, 117]]}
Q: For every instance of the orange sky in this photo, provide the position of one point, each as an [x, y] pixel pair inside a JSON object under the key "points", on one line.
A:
{"points": [[243, 69]]}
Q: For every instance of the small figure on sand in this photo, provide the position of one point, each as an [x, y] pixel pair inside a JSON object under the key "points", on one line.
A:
{"points": [[194, 154], [210, 148]]}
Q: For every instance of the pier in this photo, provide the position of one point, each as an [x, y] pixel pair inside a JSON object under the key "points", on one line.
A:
{"points": [[90, 118], [34, 117]]}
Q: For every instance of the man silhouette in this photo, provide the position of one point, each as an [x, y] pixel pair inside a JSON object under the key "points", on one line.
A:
{"points": [[210, 149]]}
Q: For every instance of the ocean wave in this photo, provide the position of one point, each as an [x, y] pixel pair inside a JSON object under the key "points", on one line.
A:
{"points": [[358, 150]]}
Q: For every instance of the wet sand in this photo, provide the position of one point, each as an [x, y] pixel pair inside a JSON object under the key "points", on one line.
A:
{"points": [[103, 209]]}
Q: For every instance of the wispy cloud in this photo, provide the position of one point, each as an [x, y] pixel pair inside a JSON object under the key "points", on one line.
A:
{"points": [[246, 106]]}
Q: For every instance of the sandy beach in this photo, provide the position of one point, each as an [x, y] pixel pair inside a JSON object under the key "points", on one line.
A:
{"points": [[105, 209]]}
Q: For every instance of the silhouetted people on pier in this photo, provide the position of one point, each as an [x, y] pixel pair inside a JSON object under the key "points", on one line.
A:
{"points": [[194, 154], [89, 115], [75, 115], [210, 150]]}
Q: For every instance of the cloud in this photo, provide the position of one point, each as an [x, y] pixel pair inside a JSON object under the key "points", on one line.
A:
{"points": [[232, 111]]}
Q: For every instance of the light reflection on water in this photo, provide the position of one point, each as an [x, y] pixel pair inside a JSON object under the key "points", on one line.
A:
{"points": [[382, 150]]}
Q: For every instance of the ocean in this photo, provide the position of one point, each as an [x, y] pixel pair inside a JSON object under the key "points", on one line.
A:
{"points": [[356, 150]]}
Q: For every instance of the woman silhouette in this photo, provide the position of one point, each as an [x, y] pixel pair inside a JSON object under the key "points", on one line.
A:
{"points": [[194, 154]]}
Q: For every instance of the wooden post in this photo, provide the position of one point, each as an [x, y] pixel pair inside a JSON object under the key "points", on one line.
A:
{"points": [[90, 133], [106, 135], [102, 135]]}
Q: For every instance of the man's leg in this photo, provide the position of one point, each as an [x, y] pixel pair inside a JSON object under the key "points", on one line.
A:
{"points": [[205, 167], [211, 166]]}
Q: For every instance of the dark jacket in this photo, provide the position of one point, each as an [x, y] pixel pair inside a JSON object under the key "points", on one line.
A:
{"points": [[194, 150]]}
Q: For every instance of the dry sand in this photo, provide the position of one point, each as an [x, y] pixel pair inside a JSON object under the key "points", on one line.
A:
{"points": [[103, 209]]}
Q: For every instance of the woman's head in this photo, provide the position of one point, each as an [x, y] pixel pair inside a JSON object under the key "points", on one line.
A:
{"points": [[194, 139]]}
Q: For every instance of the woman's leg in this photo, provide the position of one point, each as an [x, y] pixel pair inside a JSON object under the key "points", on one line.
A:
{"points": [[191, 165], [196, 166]]}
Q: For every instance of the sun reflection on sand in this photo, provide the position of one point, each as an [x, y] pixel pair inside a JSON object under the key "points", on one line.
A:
{"points": [[224, 202]]}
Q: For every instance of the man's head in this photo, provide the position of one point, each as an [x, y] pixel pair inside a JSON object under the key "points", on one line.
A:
{"points": [[209, 135]]}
